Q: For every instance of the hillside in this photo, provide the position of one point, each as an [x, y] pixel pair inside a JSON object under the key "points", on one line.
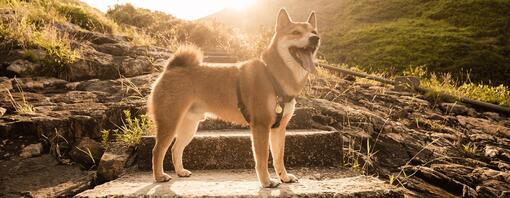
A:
{"points": [[265, 12], [460, 37]]}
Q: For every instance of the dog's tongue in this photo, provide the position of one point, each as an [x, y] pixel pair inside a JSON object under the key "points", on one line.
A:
{"points": [[306, 59]]}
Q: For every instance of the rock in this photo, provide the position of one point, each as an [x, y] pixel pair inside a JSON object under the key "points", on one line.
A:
{"points": [[117, 157], [452, 186], [95, 65], [491, 151], [492, 115], [456, 109], [485, 191], [31, 150], [135, 66], [116, 49], [24, 68], [42, 176], [87, 152]]}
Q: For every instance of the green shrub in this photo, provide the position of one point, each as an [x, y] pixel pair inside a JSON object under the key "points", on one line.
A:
{"points": [[131, 131], [86, 19]]}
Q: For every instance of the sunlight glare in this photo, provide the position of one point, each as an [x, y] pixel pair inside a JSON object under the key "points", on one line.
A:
{"points": [[240, 4]]}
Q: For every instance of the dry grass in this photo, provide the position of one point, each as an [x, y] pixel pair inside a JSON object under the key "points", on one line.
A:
{"points": [[23, 106]]}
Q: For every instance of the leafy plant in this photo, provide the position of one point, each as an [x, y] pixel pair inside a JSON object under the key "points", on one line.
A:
{"points": [[131, 131], [471, 149]]}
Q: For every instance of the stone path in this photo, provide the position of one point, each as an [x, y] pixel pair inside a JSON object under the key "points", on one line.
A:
{"points": [[325, 182]]}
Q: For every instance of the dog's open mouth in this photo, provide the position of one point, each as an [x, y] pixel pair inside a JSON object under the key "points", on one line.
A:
{"points": [[304, 56]]}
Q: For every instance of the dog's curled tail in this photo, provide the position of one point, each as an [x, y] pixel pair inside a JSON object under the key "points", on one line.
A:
{"points": [[186, 56]]}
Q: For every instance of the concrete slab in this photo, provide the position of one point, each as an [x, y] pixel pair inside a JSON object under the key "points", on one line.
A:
{"points": [[324, 182], [231, 149]]}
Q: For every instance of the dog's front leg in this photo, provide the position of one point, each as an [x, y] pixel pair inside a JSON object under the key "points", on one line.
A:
{"points": [[260, 145], [277, 150]]}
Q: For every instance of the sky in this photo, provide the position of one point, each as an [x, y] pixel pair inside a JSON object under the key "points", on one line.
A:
{"points": [[184, 9]]}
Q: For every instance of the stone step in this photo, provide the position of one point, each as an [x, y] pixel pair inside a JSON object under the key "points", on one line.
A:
{"points": [[313, 182], [216, 53], [231, 149], [220, 59]]}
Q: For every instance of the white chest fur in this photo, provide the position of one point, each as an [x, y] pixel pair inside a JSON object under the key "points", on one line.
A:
{"points": [[298, 72]]}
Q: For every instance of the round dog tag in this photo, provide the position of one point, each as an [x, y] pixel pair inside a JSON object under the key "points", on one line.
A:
{"points": [[278, 109]]}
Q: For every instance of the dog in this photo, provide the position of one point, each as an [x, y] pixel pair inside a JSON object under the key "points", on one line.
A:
{"points": [[260, 93]]}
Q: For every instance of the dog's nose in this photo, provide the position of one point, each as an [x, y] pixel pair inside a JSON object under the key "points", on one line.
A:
{"points": [[314, 40]]}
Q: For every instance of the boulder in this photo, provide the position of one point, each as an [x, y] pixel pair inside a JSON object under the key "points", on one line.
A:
{"points": [[114, 161], [87, 152], [31, 150], [24, 68]]}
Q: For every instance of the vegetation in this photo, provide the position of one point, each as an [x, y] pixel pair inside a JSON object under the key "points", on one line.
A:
{"points": [[30, 26], [130, 132], [88, 19], [446, 36], [167, 31], [444, 83], [23, 106]]}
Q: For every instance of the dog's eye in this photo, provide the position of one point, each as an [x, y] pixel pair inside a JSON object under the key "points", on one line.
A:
{"points": [[296, 33], [314, 32]]}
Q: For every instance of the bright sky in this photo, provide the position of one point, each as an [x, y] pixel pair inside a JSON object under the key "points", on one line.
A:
{"points": [[185, 9]]}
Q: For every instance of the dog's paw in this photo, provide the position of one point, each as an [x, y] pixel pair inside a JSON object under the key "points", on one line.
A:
{"points": [[290, 178], [271, 184], [184, 173], [163, 178]]}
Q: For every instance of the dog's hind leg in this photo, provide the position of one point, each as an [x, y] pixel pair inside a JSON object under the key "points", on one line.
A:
{"points": [[187, 129], [166, 126]]}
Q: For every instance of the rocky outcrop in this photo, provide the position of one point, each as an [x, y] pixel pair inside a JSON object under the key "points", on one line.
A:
{"points": [[101, 56], [42, 176]]}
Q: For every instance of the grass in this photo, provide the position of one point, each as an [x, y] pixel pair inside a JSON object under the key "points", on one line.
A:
{"points": [[57, 143], [470, 149], [30, 27], [499, 95], [131, 131], [446, 36], [86, 18], [23, 106]]}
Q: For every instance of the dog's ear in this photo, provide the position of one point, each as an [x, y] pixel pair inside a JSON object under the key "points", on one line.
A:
{"points": [[312, 20], [283, 19]]}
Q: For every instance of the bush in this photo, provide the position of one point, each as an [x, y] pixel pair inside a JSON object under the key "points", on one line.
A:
{"points": [[86, 19]]}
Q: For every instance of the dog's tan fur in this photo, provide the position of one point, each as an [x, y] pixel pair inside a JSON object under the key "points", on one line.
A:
{"points": [[186, 91]]}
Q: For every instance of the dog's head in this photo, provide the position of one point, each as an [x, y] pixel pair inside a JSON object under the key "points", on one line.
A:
{"points": [[300, 39]]}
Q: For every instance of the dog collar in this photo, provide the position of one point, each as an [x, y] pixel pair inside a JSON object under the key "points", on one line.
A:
{"points": [[281, 100]]}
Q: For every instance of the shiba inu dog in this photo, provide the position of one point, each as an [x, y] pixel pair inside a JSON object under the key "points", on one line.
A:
{"points": [[258, 92]]}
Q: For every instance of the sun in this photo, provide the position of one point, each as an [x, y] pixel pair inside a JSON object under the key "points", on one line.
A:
{"points": [[239, 4]]}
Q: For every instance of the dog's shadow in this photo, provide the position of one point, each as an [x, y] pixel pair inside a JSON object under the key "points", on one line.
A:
{"points": [[283, 190], [157, 188]]}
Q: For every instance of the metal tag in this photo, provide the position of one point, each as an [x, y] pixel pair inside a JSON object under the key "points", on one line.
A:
{"points": [[278, 108]]}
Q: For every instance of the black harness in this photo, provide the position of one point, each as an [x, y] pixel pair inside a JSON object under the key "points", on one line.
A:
{"points": [[281, 100]]}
